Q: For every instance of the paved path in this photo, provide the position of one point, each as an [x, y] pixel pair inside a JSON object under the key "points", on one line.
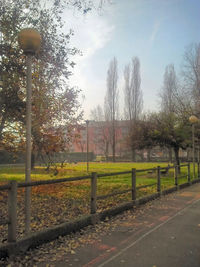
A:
{"points": [[165, 234], [162, 233]]}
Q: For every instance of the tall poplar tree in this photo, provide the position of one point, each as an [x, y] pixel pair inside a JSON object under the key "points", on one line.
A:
{"points": [[133, 100], [111, 101], [132, 91]]}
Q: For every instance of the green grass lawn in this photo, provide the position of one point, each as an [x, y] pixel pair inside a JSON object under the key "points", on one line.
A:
{"points": [[105, 185], [69, 170], [70, 199]]}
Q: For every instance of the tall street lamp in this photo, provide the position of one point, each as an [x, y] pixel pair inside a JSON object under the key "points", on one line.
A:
{"points": [[193, 119], [29, 41], [87, 123]]}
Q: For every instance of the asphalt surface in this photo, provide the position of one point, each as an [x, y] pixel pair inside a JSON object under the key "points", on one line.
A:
{"points": [[165, 233]]}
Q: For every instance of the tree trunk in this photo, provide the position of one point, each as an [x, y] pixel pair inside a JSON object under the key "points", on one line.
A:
{"points": [[2, 125], [176, 153], [133, 155], [148, 155], [32, 161], [188, 154], [142, 155], [107, 150], [170, 154], [113, 141]]}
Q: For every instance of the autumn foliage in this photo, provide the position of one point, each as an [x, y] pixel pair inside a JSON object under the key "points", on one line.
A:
{"points": [[54, 103]]}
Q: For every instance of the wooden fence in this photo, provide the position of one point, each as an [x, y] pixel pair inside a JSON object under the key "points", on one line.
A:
{"points": [[13, 186]]}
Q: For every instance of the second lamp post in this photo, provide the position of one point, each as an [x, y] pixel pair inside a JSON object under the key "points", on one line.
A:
{"points": [[193, 119], [87, 133]]}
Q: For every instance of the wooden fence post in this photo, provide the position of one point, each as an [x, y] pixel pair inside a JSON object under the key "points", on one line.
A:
{"points": [[158, 180], [189, 177], [12, 211], [133, 184], [176, 176], [93, 206]]}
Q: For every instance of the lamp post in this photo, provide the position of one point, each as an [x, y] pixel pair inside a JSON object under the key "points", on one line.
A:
{"points": [[193, 119], [87, 123], [29, 40]]}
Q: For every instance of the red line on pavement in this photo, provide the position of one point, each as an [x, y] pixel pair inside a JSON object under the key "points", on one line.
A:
{"points": [[152, 224], [101, 246], [101, 257], [163, 218]]}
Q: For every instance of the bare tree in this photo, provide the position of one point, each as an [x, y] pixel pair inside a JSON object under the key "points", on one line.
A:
{"points": [[97, 114], [111, 100], [102, 138], [132, 91], [191, 76], [132, 97], [168, 96], [169, 90]]}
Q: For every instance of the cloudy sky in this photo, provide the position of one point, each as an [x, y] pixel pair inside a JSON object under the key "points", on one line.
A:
{"points": [[156, 31]]}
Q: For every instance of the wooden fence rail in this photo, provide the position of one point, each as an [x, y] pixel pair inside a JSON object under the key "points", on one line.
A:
{"points": [[113, 174], [13, 186]]}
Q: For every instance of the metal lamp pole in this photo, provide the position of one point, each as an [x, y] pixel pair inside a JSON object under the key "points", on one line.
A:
{"points": [[193, 119], [193, 150], [28, 141], [29, 41], [87, 123]]}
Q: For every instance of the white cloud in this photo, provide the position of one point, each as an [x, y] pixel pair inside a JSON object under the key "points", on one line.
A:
{"points": [[91, 33], [154, 32]]}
